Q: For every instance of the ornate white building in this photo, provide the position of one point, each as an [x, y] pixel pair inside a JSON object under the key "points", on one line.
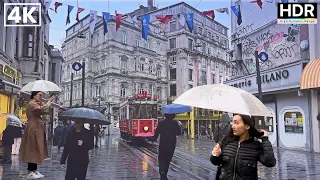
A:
{"points": [[119, 64]]}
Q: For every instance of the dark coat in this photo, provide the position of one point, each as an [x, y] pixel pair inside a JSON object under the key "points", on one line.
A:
{"points": [[168, 131], [9, 134], [240, 159], [58, 138]]}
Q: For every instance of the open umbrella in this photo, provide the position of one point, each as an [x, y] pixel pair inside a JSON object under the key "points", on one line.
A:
{"points": [[90, 116], [225, 98], [12, 120], [41, 85], [175, 109]]}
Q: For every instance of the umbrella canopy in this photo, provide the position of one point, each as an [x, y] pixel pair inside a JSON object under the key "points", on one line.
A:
{"points": [[175, 109], [40, 85], [12, 120], [89, 115], [225, 98]]}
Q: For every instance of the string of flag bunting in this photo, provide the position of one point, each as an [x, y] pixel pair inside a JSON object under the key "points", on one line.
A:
{"points": [[183, 18]]}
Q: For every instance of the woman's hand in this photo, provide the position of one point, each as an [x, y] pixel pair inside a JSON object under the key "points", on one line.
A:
{"points": [[265, 133], [50, 99], [62, 165], [216, 151]]}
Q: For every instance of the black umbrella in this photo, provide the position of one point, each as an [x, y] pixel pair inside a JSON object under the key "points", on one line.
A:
{"points": [[90, 116]]}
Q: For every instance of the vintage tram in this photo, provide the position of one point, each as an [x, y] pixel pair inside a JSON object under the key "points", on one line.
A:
{"points": [[138, 117]]}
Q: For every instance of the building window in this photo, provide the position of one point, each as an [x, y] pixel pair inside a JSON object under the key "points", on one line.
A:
{"points": [[173, 90], [172, 43], [173, 26], [204, 47], [146, 45], [173, 74], [53, 72], [200, 30], [28, 41], [123, 92], [137, 41], [204, 76], [124, 37], [293, 122], [123, 64], [190, 44], [209, 34], [212, 78], [190, 74], [151, 69], [213, 66], [159, 93], [217, 38], [141, 67], [204, 62], [158, 71]]}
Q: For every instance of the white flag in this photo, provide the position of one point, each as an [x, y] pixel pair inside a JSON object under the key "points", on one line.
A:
{"points": [[223, 10], [182, 20], [93, 20], [135, 21]]}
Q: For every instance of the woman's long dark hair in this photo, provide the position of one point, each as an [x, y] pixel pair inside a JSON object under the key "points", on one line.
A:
{"points": [[229, 137], [33, 93]]}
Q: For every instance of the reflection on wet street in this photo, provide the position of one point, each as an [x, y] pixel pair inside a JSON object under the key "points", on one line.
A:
{"points": [[112, 160]]}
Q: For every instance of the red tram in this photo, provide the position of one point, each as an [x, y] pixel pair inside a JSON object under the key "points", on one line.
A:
{"points": [[138, 117]]}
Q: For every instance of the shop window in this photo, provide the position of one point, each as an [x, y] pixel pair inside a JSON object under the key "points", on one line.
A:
{"points": [[28, 42], [293, 122]]}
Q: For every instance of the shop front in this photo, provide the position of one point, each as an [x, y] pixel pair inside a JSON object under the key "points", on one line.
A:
{"points": [[290, 125], [9, 88]]}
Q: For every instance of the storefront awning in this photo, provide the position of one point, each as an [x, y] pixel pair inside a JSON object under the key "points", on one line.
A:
{"points": [[310, 77]]}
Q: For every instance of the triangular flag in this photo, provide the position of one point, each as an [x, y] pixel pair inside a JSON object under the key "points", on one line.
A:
{"points": [[223, 10], [78, 12], [269, 1], [164, 19], [239, 20], [56, 5], [182, 20], [235, 10], [68, 16], [106, 17], [93, 20], [118, 21], [259, 2], [209, 13]]}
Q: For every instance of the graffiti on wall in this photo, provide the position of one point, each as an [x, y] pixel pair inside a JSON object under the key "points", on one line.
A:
{"points": [[280, 42]]}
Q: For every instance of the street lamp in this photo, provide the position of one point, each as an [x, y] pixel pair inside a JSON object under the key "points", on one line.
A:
{"points": [[77, 67]]}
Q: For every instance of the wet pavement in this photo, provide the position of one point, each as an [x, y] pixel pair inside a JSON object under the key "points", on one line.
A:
{"points": [[291, 164], [112, 160]]}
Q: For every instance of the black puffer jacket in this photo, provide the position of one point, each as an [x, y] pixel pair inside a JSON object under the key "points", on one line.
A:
{"points": [[238, 161]]}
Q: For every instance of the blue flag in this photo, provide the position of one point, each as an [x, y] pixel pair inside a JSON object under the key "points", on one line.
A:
{"points": [[189, 20], [106, 17], [284, 1], [235, 10], [68, 16], [145, 26]]}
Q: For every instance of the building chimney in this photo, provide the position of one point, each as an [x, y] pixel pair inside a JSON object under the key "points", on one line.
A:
{"points": [[150, 3]]}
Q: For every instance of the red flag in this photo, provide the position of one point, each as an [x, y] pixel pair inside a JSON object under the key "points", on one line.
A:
{"points": [[78, 12], [164, 19], [209, 13], [259, 2], [118, 21], [56, 5]]}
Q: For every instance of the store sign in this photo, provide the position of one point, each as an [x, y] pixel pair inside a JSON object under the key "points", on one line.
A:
{"points": [[274, 76], [11, 73]]}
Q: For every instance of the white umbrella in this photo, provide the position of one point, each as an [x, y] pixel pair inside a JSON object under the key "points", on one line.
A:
{"points": [[40, 85], [225, 98]]}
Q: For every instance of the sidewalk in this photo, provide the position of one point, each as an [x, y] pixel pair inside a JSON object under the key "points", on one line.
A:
{"points": [[108, 162], [291, 164]]}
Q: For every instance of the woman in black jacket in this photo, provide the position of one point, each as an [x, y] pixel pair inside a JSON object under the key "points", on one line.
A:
{"points": [[238, 153], [78, 143]]}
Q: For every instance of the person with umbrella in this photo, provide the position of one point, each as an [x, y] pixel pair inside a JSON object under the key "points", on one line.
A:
{"points": [[76, 149], [33, 149], [238, 153], [168, 130]]}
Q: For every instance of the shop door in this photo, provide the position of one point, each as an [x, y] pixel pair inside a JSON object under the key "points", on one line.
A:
{"points": [[4, 102]]}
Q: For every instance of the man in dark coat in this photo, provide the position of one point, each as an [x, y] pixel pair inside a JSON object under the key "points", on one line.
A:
{"points": [[222, 129], [76, 149], [9, 134], [58, 137], [168, 131]]}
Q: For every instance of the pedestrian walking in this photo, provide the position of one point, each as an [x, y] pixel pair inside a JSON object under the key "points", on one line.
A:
{"points": [[76, 151], [168, 131], [58, 137], [33, 149], [67, 127], [9, 135], [17, 140], [222, 128], [96, 135], [238, 153]]}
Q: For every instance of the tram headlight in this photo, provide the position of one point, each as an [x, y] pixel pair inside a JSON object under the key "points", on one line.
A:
{"points": [[146, 129]]}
